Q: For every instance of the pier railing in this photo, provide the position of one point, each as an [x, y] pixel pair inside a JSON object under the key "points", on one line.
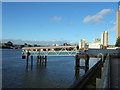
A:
{"points": [[104, 81], [51, 51], [82, 82], [100, 72]]}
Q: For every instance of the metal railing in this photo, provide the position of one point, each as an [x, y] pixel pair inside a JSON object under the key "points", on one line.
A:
{"points": [[104, 82], [99, 56], [106, 72]]}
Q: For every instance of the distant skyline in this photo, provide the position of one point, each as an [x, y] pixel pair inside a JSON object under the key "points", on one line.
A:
{"points": [[58, 21]]}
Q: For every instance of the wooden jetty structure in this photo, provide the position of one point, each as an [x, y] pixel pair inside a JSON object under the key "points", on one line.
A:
{"points": [[50, 51], [41, 54]]}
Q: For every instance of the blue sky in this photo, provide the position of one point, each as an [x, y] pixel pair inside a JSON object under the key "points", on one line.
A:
{"points": [[60, 21]]}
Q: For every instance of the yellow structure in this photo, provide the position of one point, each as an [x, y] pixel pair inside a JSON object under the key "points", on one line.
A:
{"points": [[118, 22], [82, 44], [106, 38]]}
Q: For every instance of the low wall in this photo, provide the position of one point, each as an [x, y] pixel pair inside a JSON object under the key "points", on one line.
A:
{"points": [[114, 52]]}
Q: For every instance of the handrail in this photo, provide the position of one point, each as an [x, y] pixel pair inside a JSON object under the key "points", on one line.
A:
{"points": [[82, 81], [101, 55], [106, 71], [105, 79]]}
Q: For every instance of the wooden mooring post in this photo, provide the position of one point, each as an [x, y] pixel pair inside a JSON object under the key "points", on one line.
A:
{"points": [[37, 58], [77, 63], [41, 60], [27, 59], [27, 62], [28, 54], [45, 60], [87, 63]]}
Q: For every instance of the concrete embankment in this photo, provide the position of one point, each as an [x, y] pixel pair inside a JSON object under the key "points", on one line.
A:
{"points": [[115, 73], [95, 52]]}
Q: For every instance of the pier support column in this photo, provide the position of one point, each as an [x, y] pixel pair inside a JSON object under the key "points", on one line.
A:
{"points": [[77, 72], [77, 61], [27, 59], [23, 56], [27, 62], [45, 60], [40, 58], [45, 57], [37, 58], [28, 54], [31, 60], [86, 63]]}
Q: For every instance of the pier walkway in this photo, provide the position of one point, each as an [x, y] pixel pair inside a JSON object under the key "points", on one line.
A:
{"points": [[51, 51], [114, 73]]}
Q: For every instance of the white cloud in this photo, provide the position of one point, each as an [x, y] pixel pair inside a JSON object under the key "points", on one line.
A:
{"points": [[39, 42], [113, 29], [97, 17], [56, 18], [114, 22]]}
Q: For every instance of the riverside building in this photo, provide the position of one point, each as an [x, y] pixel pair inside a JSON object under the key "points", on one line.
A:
{"points": [[104, 38], [82, 44], [99, 43], [96, 44]]}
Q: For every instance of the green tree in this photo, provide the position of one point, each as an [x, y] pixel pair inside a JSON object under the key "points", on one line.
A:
{"points": [[118, 42]]}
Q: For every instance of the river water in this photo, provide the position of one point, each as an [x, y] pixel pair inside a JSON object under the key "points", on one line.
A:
{"points": [[59, 71]]}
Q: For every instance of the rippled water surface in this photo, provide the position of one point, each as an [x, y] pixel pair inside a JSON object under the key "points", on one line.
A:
{"points": [[59, 71]]}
